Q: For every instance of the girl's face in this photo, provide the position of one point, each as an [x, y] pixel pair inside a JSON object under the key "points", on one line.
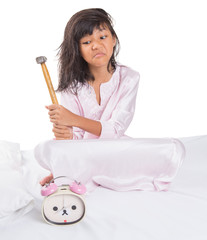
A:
{"points": [[97, 49]]}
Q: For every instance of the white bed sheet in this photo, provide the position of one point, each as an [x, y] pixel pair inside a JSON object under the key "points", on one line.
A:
{"points": [[179, 214]]}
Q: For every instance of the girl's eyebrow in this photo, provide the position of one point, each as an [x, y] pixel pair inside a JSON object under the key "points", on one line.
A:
{"points": [[98, 28], [101, 29]]}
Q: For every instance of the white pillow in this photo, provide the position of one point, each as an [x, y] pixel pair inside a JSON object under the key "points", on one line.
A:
{"points": [[15, 200], [10, 156], [32, 174]]}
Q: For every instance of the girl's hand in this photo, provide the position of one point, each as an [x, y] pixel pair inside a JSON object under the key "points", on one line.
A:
{"points": [[60, 115], [62, 132], [46, 179]]}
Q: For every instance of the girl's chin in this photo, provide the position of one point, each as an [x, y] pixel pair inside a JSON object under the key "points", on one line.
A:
{"points": [[99, 66], [99, 63]]}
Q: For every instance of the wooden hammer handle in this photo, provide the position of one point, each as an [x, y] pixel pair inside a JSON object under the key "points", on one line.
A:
{"points": [[49, 83], [41, 60]]}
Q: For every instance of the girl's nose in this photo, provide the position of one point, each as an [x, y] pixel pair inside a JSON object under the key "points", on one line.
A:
{"points": [[95, 45]]}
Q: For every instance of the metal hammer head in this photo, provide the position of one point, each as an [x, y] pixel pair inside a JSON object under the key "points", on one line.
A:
{"points": [[41, 59]]}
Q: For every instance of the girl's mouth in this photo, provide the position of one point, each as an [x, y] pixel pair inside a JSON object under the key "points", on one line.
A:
{"points": [[99, 55]]}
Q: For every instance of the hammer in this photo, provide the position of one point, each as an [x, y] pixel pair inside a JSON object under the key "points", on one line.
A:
{"points": [[41, 60]]}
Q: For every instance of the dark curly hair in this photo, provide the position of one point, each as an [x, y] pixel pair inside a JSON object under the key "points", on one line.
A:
{"points": [[73, 69]]}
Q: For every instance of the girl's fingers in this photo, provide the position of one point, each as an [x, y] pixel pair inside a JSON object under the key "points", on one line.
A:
{"points": [[59, 126], [53, 116], [52, 112], [64, 135], [54, 121], [46, 179], [58, 130], [52, 107], [59, 138], [62, 132], [61, 129]]}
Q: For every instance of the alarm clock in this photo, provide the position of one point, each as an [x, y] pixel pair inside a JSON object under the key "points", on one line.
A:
{"points": [[63, 205]]}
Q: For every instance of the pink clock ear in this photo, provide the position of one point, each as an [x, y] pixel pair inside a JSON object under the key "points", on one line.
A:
{"points": [[78, 188], [48, 189]]}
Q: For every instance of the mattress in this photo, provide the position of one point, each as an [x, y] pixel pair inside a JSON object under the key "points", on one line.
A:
{"points": [[179, 213]]}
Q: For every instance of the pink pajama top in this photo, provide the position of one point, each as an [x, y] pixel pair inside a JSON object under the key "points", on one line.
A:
{"points": [[116, 110]]}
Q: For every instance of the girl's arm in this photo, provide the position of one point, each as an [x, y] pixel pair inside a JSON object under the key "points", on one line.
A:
{"points": [[59, 115], [121, 112], [88, 125]]}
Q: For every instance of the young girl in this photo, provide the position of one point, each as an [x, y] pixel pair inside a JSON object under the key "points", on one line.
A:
{"points": [[98, 95]]}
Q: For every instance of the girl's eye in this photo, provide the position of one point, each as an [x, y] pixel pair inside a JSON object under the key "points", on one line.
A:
{"points": [[103, 37], [87, 42]]}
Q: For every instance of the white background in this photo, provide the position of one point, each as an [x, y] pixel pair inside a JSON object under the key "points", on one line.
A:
{"points": [[166, 41]]}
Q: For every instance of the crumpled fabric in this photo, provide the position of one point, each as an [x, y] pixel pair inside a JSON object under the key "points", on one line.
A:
{"points": [[123, 164]]}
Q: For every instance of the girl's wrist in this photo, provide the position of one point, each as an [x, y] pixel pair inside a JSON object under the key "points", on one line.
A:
{"points": [[74, 120], [88, 125], [77, 121]]}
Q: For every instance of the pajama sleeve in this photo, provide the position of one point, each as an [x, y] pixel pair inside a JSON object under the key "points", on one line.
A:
{"points": [[123, 113], [70, 101]]}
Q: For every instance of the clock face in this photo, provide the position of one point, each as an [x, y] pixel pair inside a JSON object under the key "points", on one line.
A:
{"points": [[63, 209]]}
